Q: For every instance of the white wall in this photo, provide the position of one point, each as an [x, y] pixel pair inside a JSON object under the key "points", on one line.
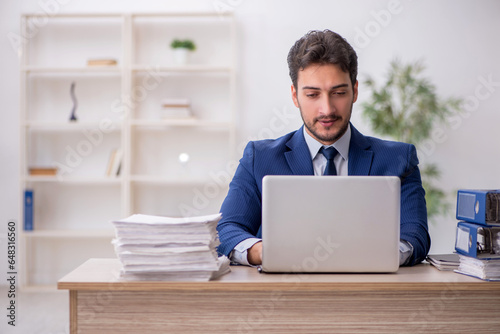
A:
{"points": [[456, 38]]}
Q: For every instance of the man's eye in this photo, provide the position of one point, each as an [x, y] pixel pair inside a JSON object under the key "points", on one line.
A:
{"points": [[339, 93], [312, 95]]}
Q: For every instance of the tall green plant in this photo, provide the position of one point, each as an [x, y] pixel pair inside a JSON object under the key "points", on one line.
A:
{"points": [[406, 107]]}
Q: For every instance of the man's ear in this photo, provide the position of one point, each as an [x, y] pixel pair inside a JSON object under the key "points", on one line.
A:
{"points": [[355, 90], [294, 96]]}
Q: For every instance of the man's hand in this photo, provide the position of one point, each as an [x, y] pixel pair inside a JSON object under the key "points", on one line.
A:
{"points": [[254, 254]]}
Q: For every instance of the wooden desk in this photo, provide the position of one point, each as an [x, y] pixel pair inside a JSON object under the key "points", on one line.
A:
{"points": [[414, 300]]}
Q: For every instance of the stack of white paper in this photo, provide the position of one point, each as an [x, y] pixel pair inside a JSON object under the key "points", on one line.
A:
{"points": [[486, 269], [163, 248]]}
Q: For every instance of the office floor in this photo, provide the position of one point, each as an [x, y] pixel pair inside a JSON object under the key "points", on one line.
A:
{"points": [[40, 312]]}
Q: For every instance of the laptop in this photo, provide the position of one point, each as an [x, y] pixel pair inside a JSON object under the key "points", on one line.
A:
{"points": [[330, 224]]}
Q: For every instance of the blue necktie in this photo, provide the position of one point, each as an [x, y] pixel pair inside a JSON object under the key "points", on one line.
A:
{"points": [[329, 153]]}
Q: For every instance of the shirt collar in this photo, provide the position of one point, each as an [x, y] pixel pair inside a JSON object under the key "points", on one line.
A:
{"points": [[341, 145]]}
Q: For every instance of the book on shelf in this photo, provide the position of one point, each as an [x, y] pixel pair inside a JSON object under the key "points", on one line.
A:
{"points": [[176, 108], [488, 270], [174, 249], [28, 210], [114, 163], [102, 62], [42, 171]]}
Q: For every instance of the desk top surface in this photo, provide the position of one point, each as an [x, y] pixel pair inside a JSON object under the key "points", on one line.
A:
{"points": [[103, 274]]}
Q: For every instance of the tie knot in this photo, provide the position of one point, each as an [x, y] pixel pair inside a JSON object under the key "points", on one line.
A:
{"points": [[328, 152]]}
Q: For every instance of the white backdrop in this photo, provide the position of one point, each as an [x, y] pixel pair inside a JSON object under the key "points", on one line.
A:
{"points": [[457, 39]]}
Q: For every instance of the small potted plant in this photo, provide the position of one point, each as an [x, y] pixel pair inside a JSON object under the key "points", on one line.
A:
{"points": [[182, 49]]}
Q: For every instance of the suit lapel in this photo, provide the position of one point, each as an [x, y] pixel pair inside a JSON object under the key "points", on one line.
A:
{"points": [[298, 156], [360, 156]]}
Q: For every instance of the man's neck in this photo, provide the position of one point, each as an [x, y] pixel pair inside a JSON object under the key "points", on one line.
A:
{"points": [[341, 145]]}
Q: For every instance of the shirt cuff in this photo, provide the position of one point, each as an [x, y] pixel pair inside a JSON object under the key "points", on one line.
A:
{"points": [[405, 252], [240, 251]]}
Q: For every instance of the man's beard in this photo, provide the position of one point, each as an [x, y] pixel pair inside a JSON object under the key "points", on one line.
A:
{"points": [[327, 138]]}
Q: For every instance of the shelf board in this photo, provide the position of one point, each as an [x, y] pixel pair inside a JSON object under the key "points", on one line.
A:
{"points": [[114, 15], [74, 234], [70, 70], [103, 180], [72, 126], [75, 15], [227, 13], [183, 69], [180, 181], [179, 122]]}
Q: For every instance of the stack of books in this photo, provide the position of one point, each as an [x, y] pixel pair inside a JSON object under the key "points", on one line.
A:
{"points": [[176, 108], [43, 171], [102, 62], [478, 233], [154, 248]]}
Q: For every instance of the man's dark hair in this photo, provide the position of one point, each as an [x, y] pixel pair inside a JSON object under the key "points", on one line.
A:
{"points": [[322, 47]]}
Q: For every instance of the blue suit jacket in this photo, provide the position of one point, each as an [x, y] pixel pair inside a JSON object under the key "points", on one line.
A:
{"points": [[289, 155]]}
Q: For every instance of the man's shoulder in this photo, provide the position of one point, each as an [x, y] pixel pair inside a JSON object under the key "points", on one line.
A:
{"points": [[274, 144], [268, 156], [389, 156], [377, 144]]}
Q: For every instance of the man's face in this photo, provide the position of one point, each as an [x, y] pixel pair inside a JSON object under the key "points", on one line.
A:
{"points": [[325, 97]]}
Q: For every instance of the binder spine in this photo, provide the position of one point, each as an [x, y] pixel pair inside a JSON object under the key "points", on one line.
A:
{"points": [[479, 206], [481, 242], [28, 210]]}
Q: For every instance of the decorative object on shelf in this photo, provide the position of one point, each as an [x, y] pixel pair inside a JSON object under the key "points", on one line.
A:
{"points": [[73, 118], [102, 62], [182, 50], [43, 171], [407, 108], [176, 108]]}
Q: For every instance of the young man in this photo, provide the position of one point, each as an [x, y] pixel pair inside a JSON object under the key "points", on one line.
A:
{"points": [[323, 69]]}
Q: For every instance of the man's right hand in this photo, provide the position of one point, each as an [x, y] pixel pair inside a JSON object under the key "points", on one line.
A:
{"points": [[254, 254]]}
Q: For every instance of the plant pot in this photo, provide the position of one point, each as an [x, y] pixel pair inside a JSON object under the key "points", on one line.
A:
{"points": [[181, 56]]}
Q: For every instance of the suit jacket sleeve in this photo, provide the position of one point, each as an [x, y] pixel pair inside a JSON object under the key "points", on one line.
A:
{"points": [[413, 209], [241, 210]]}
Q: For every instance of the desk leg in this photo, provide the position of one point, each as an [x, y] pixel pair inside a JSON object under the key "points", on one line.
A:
{"points": [[73, 307]]}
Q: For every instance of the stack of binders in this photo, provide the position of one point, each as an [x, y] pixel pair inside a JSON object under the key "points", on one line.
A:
{"points": [[478, 233]]}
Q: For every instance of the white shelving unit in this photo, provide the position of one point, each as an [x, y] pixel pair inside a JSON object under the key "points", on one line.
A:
{"points": [[119, 108]]}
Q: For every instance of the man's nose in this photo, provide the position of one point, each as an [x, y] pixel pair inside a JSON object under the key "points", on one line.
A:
{"points": [[327, 106]]}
